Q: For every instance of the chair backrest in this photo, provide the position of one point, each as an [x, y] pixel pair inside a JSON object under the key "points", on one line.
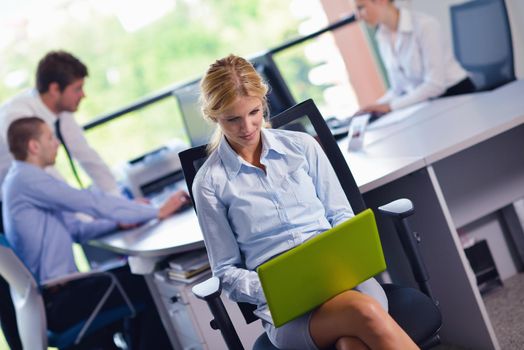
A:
{"points": [[29, 306], [482, 42], [303, 117], [191, 160]]}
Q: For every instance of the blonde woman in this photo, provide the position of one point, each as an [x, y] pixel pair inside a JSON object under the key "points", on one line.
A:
{"points": [[262, 192]]}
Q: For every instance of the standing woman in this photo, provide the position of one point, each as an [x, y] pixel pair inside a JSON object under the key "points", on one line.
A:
{"points": [[418, 57], [262, 192]]}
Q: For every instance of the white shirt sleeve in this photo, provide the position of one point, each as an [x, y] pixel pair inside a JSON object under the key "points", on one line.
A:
{"points": [[48, 192], [88, 158]]}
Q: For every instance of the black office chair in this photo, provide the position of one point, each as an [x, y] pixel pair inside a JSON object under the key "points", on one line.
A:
{"points": [[416, 312], [482, 42]]}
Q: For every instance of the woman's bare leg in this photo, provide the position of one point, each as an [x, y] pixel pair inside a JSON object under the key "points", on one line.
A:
{"points": [[353, 314], [350, 343]]}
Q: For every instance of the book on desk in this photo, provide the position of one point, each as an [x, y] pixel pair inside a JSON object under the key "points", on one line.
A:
{"points": [[188, 267]]}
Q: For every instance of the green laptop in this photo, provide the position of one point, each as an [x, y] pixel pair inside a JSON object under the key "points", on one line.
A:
{"points": [[337, 260]]}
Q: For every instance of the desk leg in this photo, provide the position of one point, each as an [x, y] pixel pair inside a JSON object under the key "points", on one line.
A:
{"points": [[164, 315], [465, 320], [515, 233]]}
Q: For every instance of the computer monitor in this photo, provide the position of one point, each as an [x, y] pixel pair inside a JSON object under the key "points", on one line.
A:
{"points": [[279, 98], [198, 130]]}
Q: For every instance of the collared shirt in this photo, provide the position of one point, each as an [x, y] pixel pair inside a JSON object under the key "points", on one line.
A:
{"points": [[248, 216], [419, 60], [29, 104], [40, 224]]}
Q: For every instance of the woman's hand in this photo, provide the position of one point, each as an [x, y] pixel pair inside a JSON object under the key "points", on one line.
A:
{"points": [[380, 108], [173, 204]]}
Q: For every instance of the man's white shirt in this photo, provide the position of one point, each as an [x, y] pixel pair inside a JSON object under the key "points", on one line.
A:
{"points": [[29, 104]]}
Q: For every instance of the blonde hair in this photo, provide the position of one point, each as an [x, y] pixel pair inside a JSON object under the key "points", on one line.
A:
{"points": [[226, 80]]}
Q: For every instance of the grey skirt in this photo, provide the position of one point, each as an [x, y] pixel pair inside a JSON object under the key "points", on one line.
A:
{"points": [[296, 335]]}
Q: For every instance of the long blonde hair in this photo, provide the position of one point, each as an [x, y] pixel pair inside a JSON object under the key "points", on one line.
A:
{"points": [[226, 80]]}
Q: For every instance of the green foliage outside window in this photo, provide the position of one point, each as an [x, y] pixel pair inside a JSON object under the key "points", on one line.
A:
{"points": [[126, 66]]}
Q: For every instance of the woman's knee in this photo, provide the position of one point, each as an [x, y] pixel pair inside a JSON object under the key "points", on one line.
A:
{"points": [[367, 310]]}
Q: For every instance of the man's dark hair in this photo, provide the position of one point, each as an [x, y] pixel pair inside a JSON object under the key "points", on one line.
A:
{"points": [[20, 132], [58, 67]]}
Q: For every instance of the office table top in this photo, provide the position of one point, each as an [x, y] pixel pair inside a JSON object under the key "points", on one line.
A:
{"points": [[176, 234], [405, 118], [371, 172], [479, 118]]}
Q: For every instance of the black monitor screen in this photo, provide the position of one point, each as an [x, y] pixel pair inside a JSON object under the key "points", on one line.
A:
{"points": [[279, 97], [198, 130]]}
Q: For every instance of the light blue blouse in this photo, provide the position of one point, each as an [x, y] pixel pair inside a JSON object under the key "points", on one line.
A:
{"points": [[248, 215]]}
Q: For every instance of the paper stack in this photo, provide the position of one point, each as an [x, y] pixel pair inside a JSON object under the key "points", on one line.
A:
{"points": [[188, 267]]}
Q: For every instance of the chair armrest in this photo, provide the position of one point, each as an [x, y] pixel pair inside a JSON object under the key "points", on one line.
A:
{"points": [[210, 288], [400, 208], [210, 291]]}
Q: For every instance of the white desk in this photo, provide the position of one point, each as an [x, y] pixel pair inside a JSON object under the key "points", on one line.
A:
{"points": [[173, 235], [474, 165], [479, 118], [373, 172], [397, 121]]}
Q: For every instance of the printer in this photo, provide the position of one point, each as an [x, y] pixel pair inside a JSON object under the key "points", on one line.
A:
{"points": [[156, 173]]}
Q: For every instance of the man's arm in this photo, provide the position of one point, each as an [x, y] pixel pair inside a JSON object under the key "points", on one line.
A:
{"points": [[82, 231], [48, 192], [88, 158]]}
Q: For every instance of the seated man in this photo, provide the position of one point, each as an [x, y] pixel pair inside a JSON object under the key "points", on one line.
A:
{"points": [[40, 222]]}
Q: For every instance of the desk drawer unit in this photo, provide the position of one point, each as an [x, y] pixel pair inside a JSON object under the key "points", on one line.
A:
{"points": [[174, 298]]}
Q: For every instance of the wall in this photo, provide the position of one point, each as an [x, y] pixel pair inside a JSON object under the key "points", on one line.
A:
{"points": [[440, 10], [360, 62]]}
